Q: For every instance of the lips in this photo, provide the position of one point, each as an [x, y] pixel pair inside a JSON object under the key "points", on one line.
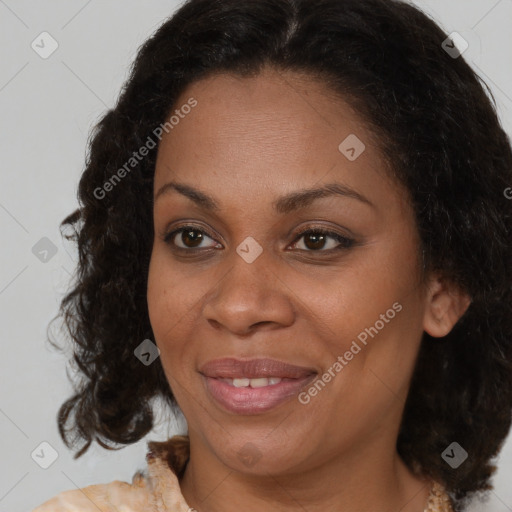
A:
{"points": [[253, 386], [231, 368]]}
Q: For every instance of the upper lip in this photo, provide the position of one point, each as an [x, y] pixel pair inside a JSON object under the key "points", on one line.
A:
{"points": [[232, 368]]}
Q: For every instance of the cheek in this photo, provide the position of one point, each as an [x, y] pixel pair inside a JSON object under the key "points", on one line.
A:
{"points": [[157, 295], [166, 301], [174, 294], [165, 309], [169, 293], [367, 295], [373, 311]]}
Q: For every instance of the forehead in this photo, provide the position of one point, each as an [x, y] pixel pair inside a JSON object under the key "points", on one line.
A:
{"points": [[275, 131], [286, 105]]}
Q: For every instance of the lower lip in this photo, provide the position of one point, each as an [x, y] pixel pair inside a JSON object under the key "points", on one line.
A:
{"points": [[249, 400]]}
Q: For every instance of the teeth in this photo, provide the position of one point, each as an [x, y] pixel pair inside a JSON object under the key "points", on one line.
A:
{"points": [[241, 383], [253, 383], [259, 383]]}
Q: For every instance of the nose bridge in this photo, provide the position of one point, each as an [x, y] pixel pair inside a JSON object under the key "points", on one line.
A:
{"points": [[251, 293]]}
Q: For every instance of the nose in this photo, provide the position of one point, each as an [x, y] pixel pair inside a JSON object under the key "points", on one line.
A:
{"points": [[249, 297]]}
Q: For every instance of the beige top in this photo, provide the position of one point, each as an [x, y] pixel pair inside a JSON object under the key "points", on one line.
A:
{"points": [[157, 488]]}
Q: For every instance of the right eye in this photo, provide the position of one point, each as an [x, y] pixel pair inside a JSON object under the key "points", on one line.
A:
{"points": [[190, 238]]}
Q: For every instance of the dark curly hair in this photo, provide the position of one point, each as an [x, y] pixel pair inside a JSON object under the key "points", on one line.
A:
{"points": [[438, 128]]}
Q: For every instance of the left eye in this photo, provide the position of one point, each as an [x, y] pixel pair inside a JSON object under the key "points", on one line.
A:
{"points": [[317, 239]]}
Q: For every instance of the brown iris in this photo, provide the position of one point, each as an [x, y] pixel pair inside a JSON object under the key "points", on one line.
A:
{"points": [[192, 238], [317, 240]]}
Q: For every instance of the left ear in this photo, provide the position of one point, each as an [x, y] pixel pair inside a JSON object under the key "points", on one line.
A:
{"points": [[445, 304]]}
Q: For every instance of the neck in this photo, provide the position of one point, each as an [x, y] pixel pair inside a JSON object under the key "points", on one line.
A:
{"points": [[366, 479]]}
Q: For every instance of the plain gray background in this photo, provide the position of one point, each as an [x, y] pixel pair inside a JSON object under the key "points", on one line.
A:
{"points": [[48, 107]]}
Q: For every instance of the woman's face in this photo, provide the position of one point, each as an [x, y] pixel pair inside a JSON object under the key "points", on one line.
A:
{"points": [[243, 282]]}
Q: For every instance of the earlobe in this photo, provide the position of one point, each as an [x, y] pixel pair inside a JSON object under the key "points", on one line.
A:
{"points": [[445, 305]]}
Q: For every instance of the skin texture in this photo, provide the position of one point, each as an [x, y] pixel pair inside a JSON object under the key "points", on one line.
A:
{"points": [[248, 142]]}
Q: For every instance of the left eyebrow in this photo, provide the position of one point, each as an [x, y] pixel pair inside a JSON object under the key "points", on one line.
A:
{"points": [[282, 205], [303, 198]]}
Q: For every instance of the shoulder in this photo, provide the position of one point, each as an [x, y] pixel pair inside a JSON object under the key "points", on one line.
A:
{"points": [[157, 484], [115, 496]]}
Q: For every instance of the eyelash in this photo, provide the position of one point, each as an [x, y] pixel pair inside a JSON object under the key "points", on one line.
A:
{"points": [[344, 242]]}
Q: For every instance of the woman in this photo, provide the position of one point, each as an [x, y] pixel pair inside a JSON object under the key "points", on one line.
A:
{"points": [[293, 227]]}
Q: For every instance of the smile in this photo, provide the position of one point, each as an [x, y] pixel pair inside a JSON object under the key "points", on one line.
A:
{"points": [[261, 382], [253, 386]]}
